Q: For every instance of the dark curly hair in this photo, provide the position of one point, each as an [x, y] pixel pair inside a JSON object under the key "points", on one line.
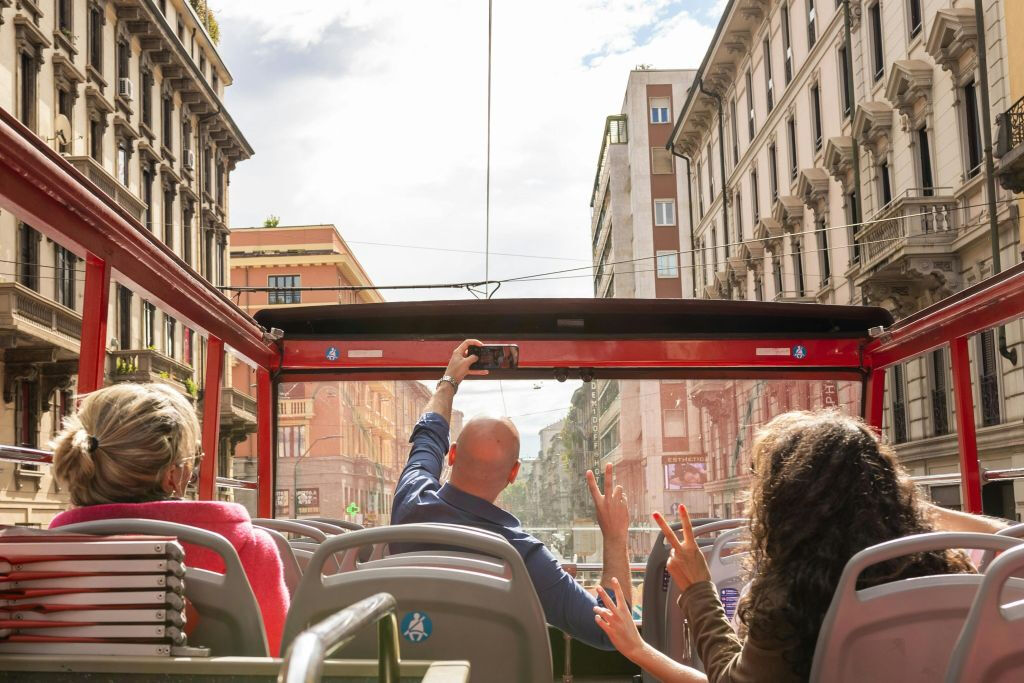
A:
{"points": [[824, 488]]}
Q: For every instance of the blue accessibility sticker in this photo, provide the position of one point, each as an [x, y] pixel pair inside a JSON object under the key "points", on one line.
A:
{"points": [[799, 352], [332, 353], [416, 627]]}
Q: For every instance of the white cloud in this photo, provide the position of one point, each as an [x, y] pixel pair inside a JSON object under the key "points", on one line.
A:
{"points": [[371, 115]]}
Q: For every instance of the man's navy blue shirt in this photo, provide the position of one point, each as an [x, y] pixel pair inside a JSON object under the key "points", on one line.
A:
{"points": [[420, 497]]}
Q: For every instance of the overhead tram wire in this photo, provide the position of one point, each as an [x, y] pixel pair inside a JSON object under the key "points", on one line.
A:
{"points": [[487, 200], [553, 275]]}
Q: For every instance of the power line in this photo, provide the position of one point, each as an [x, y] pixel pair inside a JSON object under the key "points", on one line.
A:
{"points": [[468, 251]]}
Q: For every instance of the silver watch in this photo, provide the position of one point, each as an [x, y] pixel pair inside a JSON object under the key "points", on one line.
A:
{"points": [[451, 380]]}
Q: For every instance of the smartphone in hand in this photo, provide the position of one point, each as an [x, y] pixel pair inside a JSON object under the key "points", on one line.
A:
{"points": [[494, 356]]}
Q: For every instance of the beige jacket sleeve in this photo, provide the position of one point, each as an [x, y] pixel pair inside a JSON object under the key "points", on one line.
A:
{"points": [[726, 659]]}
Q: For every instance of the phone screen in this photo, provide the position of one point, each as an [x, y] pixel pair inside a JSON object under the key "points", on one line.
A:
{"points": [[495, 356]]}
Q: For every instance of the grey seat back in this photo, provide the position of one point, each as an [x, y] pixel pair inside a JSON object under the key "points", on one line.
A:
{"points": [[1013, 531], [292, 570], [663, 626], [904, 630], [343, 523], [728, 572], [288, 526], [444, 612], [450, 559], [990, 647], [230, 623]]}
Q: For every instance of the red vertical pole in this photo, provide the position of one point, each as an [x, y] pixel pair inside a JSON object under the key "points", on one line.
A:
{"points": [[970, 471], [93, 354], [875, 398], [264, 444], [211, 417]]}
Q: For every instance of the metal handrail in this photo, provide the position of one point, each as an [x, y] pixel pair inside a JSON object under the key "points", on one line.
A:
{"points": [[954, 477], [304, 661], [40, 457]]}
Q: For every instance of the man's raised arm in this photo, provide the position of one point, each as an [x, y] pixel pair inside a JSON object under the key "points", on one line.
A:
{"points": [[613, 518]]}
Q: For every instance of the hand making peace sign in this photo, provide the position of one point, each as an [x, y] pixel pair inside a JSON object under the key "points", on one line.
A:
{"points": [[686, 563]]}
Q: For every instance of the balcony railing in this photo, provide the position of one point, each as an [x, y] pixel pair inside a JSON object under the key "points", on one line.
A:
{"points": [[95, 172], [295, 407], [614, 134], [148, 365], [1011, 128], [988, 386], [920, 213], [19, 304]]}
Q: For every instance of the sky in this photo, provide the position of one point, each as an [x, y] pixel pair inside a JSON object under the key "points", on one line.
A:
{"points": [[371, 115]]}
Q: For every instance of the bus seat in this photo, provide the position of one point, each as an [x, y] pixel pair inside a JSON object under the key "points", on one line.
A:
{"points": [[446, 613], [663, 624], [292, 570], [430, 558], [990, 647], [326, 527], [288, 526], [304, 553], [1014, 531], [727, 571], [903, 630], [343, 523], [229, 617]]}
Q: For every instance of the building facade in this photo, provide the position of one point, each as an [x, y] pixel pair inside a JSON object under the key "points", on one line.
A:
{"points": [[131, 93], [854, 174], [640, 209]]}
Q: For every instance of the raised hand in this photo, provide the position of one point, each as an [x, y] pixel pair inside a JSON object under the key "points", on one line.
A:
{"points": [[458, 366], [610, 507], [616, 620], [686, 563]]}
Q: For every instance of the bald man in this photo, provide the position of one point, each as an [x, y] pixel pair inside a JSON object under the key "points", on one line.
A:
{"points": [[483, 462]]}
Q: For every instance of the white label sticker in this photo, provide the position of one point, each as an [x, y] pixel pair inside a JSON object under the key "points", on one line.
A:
{"points": [[764, 351], [365, 353]]}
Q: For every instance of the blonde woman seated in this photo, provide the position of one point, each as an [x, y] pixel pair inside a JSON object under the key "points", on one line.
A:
{"points": [[823, 488], [131, 451]]}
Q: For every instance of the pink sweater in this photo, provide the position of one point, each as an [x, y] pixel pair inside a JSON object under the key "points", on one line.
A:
{"points": [[256, 549]]}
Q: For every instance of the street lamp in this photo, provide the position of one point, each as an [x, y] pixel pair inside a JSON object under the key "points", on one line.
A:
{"points": [[298, 461]]}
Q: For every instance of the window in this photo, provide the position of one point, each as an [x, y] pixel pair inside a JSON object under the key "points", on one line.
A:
{"points": [[291, 441], [940, 405], [791, 140], [146, 104], [147, 194], [186, 230], [844, 67], [64, 16], [96, 38], [148, 325], [169, 218], [899, 406], [816, 114], [661, 160], [700, 191], [787, 46], [65, 284], [64, 106], [773, 172], [659, 109], [284, 296], [885, 182], [664, 212], [123, 158], [220, 176], [755, 200], [207, 170], [853, 220], [738, 203], [711, 175], [187, 344], [973, 129], [798, 267], [167, 121], [769, 84], [181, 29], [777, 275], [27, 92], [124, 316], [668, 263], [988, 379], [916, 20], [735, 132], [28, 256], [924, 162], [123, 57], [812, 27], [750, 108], [96, 138], [169, 329], [877, 54], [759, 288], [26, 413], [824, 258]]}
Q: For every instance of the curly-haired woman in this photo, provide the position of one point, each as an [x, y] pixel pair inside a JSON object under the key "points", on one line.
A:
{"points": [[823, 488]]}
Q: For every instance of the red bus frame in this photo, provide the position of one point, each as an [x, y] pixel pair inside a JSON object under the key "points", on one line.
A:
{"points": [[39, 186]]}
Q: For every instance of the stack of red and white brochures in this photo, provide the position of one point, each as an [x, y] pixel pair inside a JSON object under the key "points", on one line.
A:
{"points": [[90, 595]]}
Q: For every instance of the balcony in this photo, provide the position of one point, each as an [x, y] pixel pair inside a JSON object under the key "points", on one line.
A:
{"points": [[237, 412], [375, 421], [383, 387], [295, 408], [149, 365], [713, 395], [907, 256], [95, 172], [615, 133], [1010, 147], [28, 319]]}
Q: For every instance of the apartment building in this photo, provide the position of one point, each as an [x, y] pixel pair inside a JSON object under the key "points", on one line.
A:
{"points": [[131, 93], [856, 175], [640, 222]]}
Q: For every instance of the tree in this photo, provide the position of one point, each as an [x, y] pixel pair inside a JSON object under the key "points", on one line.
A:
{"points": [[271, 221], [207, 18]]}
